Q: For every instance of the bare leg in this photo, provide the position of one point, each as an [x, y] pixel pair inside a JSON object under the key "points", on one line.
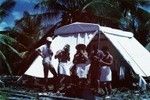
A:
{"points": [[109, 87], [103, 86], [46, 75], [52, 69]]}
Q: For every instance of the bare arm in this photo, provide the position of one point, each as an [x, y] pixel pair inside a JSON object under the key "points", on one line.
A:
{"points": [[56, 55], [85, 55], [39, 52], [69, 57], [109, 63]]}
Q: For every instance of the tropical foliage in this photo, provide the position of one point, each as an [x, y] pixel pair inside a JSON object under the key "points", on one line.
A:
{"points": [[5, 8], [8, 53], [135, 19], [28, 29], [67, 11], [6, 42], [124, 14]]}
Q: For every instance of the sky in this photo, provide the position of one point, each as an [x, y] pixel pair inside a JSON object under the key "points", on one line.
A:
{"points": [[17, 12], [26, 5]]}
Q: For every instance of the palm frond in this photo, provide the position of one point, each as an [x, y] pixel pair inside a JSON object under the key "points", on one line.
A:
{"points": [[147, 24], [5, 60], [104, 8], [9, 42], [6, 39], [11, 48], [6, 7]]}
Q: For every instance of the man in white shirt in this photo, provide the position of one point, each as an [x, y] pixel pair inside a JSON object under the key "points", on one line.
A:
{"points": [[46, 53]]}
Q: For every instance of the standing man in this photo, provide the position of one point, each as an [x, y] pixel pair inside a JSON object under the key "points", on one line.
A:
{"points": [[95, 56], [106, 73], [81, 61], [46, 53], [63, 57]]}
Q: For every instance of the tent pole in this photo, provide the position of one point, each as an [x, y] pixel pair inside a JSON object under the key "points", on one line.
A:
{"points": [[98, 40]]}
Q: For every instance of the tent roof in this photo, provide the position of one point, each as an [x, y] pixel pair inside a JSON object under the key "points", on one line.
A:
{"points": [[124, 42], [80, 27], [77, 27]]}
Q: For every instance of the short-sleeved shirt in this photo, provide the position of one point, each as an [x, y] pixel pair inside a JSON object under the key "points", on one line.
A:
{"points": [[46, 53]]}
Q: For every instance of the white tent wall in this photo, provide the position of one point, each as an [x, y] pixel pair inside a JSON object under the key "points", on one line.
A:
{"points": [[133, 52], [36, 68], [60, 41]]}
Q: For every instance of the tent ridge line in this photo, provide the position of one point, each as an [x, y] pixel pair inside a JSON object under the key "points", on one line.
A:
{"points": [[117, 34]]}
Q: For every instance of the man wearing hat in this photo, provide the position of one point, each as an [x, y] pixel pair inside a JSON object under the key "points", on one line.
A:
{"points": [[46, 53]]}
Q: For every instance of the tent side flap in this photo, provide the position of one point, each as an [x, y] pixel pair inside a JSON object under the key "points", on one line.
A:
{"points": [[133, 52]]}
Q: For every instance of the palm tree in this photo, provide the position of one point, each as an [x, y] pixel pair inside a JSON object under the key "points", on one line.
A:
{"points": [[5, 8], [134, 18], [124, 14], [67, 11], [105, 12], [7, 51], [6, 43], [28, 29]]}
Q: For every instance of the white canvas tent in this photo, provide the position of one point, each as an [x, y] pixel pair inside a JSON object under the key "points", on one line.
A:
{"points": [[123, 42]]}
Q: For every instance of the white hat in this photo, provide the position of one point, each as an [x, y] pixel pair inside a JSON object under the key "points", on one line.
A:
{"points": [[49, 39]]}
